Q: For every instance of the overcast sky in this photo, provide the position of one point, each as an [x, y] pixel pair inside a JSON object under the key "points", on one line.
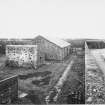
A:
{"points": [[61, 18]]}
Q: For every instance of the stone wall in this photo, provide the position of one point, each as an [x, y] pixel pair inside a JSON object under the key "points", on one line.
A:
{"points": [[22, 55]]}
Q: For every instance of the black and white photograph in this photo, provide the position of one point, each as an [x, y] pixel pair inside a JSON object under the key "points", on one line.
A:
{"points": [[52, 52]]}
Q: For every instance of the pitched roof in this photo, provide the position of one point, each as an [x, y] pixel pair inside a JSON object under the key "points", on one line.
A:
{"points": [[59, 42]]}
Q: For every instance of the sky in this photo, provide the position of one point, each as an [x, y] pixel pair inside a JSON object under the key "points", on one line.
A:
{"points": [[57, 18]]}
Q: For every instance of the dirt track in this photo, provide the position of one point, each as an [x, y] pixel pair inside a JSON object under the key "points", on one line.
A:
{"points": [[59, 84]]}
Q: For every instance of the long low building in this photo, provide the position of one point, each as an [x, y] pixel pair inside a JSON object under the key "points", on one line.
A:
{"points": [[53, 48], [24, 56]]}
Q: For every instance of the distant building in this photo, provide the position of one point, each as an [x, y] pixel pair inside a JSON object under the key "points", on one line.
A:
{"points": [[54, 49], [8, 88], [24, 55]]}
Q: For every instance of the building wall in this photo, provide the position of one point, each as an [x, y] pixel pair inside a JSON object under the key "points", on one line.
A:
{"points": [[52, 51], [23, 56]]}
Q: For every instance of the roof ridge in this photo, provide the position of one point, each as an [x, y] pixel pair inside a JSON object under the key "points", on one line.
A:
{"points": [[60, 42]]}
